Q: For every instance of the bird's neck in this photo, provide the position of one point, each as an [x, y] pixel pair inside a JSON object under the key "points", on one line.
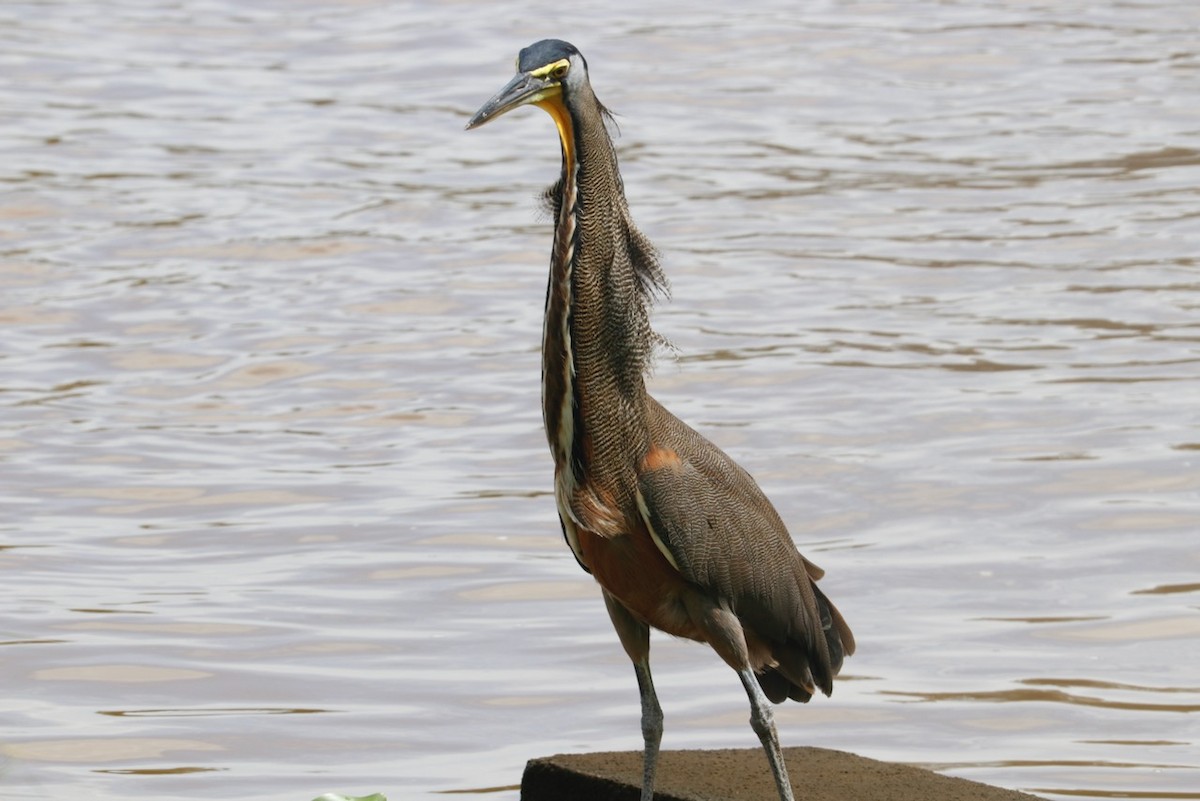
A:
{"points": [[597, 340]]}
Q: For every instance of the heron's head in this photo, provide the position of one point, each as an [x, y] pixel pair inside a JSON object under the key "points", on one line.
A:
{"points": [[548, 73]]}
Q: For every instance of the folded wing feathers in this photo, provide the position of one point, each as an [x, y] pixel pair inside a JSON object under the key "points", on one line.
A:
{"points": [[727, 538]]}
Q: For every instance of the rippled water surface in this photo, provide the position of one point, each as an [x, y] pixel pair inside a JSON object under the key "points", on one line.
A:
{"points": [[275, 512]]}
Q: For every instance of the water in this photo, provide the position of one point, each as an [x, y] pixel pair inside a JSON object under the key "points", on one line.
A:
{"points": [[275, 511]]}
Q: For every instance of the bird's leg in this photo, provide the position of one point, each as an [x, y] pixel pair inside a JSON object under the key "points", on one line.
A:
{"points": [[635, 637], [652, 727], [762, 720], [726, 636]]}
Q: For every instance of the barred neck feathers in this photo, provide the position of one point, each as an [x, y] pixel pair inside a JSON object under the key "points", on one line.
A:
{"points": [[604, 274]]}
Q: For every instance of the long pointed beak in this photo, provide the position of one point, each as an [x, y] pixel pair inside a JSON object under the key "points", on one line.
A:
{"points": [[521, 90]]}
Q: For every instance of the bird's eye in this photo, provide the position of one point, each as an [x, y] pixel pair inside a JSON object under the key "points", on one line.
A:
{"points": [[559, 72]]}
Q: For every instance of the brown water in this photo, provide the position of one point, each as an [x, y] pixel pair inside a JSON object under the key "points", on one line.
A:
{"points": [[275, 512]]}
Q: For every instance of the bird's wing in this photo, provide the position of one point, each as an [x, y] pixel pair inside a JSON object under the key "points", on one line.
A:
{"points": [[722, 534]]}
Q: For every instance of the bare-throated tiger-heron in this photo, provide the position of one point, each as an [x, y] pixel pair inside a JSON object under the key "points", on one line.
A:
{"points": [[676, 533]]}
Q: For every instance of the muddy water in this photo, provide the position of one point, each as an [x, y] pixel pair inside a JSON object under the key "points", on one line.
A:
{"points": [[275, 508]]}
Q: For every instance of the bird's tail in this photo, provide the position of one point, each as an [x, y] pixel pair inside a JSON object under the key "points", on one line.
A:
{"points": [[803, 667]]}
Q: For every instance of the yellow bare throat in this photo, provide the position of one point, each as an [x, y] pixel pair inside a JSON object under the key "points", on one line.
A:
{"points": [[553, 105]]}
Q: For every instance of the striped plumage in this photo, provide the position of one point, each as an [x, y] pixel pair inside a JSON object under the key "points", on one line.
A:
{"points": [[678, 535]]}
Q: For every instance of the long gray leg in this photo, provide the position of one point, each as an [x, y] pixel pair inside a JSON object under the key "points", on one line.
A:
{"points": [[762, 720], [652, 727], [635, 637], [727, 638]]}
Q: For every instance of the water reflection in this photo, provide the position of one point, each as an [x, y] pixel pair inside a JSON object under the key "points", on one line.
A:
{"points": [[1058, 697], [154, 713]]}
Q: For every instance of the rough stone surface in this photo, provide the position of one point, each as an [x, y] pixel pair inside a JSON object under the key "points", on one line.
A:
{"points": [[817, 774]]}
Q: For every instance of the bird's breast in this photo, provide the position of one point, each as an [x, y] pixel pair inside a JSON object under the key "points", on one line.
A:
{"points": [[633, 571]]}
